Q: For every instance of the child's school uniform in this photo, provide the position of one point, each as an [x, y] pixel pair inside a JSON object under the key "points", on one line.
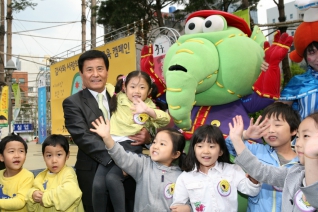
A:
{"points": [[155, 182], [214, 191], [290, 179], [13, 191], [270, 197], [60, 192]]}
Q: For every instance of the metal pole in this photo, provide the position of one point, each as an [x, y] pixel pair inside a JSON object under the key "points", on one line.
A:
{"points": [[2, 33], [93, 24], [83, 26], [9, 30]]}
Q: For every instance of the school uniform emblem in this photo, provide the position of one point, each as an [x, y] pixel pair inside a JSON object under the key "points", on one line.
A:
{"points": [[301, 204], [169, 190], [224, 188], [140, 118]]}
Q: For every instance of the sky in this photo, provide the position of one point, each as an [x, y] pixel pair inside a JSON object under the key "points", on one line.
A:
{"points": [[66, 11]]}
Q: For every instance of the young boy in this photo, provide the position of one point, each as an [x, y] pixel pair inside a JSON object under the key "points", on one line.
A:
{"points": [[15, 181], [278, 132], [55, 188]]}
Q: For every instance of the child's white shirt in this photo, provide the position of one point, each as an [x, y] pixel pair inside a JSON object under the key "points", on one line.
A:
{"points": [[214, 191]]}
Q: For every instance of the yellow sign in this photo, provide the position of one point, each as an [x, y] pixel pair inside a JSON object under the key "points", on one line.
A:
{"points": [[66, 80], [4, 105], [245, 14]]}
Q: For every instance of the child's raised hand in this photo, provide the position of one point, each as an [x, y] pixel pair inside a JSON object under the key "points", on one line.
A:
{"points": [[256, 130], [237, 128], [139, 106], [37, 196], [101, 128], [236, 131]]}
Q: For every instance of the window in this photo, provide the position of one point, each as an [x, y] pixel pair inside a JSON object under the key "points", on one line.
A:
{"points": [[291, 16], [273, 20], [14, 80], [21, 80]]}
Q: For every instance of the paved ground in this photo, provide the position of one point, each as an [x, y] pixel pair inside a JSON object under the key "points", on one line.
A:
{"points": [[34, 160]]}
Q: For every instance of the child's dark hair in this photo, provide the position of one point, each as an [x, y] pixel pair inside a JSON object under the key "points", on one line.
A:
{"points": [[9, 138], [178, 143], [119, 86], [310, 48], [314, 116], [286, 112], [210, 134], [54, 140]]}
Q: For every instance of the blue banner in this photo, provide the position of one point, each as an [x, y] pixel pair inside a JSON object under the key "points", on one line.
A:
{"points": [[23, 128], [42, 114]]}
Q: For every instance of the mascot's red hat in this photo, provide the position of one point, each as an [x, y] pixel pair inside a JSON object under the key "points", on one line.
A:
{"points": [[307, 32], [232, 20]]}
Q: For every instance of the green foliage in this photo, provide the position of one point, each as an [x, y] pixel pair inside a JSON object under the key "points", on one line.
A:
{"points": [[19, 5], [223, 5], [295, 69]]}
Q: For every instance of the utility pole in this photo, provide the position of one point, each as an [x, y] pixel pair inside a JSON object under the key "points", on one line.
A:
{"points": [[9, 30], [83, 26], [93, 24], [2, 33]]}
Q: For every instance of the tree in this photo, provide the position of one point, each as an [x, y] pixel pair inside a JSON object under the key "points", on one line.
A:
{"points": [[115, 14], [282, 18], [20, 5], [17, 6]]}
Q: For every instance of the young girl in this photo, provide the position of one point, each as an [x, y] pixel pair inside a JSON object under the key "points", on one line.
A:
{"points": [[210, 181], [131, 111], [15, 181], [300, 182], [155, 176]]}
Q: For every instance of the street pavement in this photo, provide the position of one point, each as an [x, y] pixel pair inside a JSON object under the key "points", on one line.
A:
{"points": [[34, 159]]}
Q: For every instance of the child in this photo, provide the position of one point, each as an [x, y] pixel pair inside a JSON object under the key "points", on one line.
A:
{"points": [[55, 188], [209, 179], [278, 131], [15, 181], [155, 176], [131, 111], [297, 181]]}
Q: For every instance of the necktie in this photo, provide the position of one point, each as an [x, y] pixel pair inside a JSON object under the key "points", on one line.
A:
{"points": [[101, 105]]}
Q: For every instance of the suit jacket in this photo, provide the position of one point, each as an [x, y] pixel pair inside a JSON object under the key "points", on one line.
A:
{"points": [[80, 110]]}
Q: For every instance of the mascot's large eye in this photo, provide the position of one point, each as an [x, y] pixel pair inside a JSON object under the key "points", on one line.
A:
{"points": [[194, 25], [214, 23]]}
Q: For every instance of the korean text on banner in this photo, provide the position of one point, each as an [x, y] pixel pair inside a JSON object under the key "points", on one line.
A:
{"points": [[66, 79], [42, 109], [4, 106], [17, 98]]}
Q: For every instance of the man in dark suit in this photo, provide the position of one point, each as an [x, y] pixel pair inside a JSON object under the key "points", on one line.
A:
{"points": [[80, 110]]}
